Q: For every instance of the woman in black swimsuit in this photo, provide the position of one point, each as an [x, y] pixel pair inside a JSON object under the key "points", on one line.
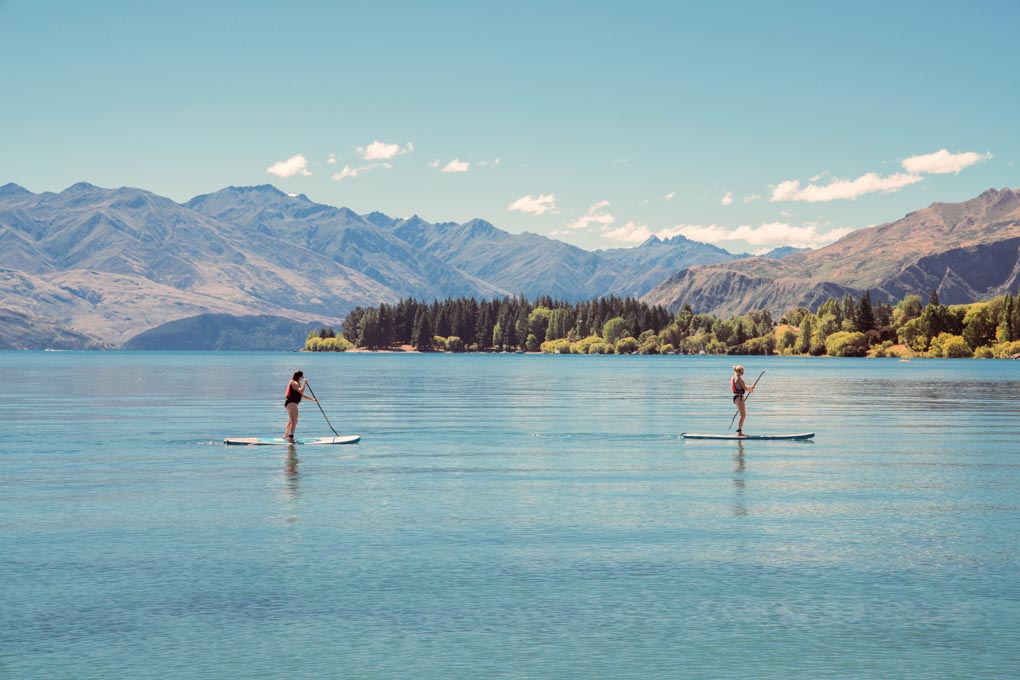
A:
{"points": [[295, 392], [739, 388]]}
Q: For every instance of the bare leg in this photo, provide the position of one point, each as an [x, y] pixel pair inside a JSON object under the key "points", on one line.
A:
{"points": [[292, 416], [743, 414]]}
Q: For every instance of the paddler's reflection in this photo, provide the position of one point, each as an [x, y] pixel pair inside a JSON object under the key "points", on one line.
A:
{"points": [[290, 472], [739, 509]]}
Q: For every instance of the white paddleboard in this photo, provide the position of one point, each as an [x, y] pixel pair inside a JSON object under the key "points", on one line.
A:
{"points": [[279, 441], [801, 435]]}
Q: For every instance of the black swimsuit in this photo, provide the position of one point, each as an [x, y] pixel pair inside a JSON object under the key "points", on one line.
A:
{"points": [[293, 396], [737, 392]]}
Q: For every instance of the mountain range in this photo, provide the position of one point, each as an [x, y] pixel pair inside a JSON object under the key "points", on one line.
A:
{"points": [[965, 251], [107, 264], [94, 267]]}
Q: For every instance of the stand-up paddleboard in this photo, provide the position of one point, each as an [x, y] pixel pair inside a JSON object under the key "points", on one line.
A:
{"points": [[801, 435], [278, 441]]}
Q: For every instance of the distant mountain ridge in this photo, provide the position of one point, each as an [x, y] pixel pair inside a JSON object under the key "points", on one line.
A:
{"points": [[214, 332], [95, 267], [111, 263], [965, 251]]}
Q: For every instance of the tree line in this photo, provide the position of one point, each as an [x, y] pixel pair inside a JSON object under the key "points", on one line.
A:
{"points": [[846, 326]]}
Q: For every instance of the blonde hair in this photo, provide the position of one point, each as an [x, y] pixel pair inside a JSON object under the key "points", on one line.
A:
{"points": [[738, 369]]}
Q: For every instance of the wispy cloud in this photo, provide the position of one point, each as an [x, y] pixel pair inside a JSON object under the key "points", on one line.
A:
{"points": [[348, 171], [767, 235], [381, 151], [332, 159], [295, 165], [942, 162], [842, 189], [494, 163], [631, 232], [594, 215], [727, 199], [434, 164], [532, 205], [670, 196], [939, 163], [456, 165], [751, 198]]}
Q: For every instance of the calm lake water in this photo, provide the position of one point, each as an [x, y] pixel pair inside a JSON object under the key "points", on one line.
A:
{"points": [[508, 516]]}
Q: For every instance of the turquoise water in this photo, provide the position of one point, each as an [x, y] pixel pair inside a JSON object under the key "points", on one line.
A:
{"points": [[508, 516]]}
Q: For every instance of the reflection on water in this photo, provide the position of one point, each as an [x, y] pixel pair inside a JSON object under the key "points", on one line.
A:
{"points": [[739, 507], [292, 478]]}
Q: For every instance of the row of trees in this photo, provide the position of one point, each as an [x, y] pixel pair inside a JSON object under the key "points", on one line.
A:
{"points": [[612, 325]]}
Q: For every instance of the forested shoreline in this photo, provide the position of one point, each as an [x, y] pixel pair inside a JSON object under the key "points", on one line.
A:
{"points": [[845, 327]]}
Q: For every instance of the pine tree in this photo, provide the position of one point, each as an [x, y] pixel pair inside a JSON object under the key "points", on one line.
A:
{"points": [[483, 326], [864, 314], [1009, 320], [421, 336]]}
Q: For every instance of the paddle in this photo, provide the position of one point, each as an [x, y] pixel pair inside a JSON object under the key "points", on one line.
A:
{"points": [[320, 408], [744, 398]]}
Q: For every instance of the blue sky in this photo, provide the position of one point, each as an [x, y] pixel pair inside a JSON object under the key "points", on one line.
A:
{"points": [[747, 125]]}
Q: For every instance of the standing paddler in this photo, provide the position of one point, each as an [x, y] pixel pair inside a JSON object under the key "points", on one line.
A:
{"points": [[739, 389], [295, 392]]}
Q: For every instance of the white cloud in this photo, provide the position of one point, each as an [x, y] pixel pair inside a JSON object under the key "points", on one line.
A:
{"points": [[838, 189], [332, 159], [543, 203], [456, 165], [670, 196], [939, 163], [751, 198], [348, 171], [727, 199], [434, 164], [942, 162], [295, 165], [594, 215], [487, 164], [768, 235], [631, 232], [381, 151]]}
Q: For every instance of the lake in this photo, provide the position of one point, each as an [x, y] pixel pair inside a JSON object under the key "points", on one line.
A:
{"points": [[512, 516]]}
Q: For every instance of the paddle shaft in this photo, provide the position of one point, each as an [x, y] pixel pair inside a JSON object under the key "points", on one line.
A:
{"points": [[744, 398], [312, 392]]}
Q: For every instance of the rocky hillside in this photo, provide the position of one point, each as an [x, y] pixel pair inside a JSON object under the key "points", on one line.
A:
{"points": [[966, 251]]}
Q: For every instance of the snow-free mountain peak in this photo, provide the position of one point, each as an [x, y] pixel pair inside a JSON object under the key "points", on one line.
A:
{"points": [[12, 190]]}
